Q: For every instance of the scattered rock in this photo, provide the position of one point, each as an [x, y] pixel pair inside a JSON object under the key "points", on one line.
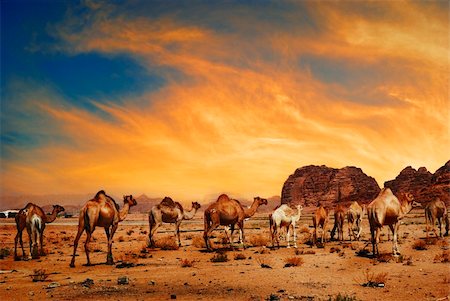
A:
{"points": [[87, 283], [173, 296], [274, 297], [151, 282], [122, 280], [265, 266], [53, 285], [31, 293]]}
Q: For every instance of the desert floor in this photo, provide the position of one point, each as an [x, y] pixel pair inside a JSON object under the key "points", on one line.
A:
{"points": [[156, 274]]}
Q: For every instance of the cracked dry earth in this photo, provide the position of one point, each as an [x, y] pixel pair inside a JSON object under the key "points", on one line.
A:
{"points": [[155, 274]]}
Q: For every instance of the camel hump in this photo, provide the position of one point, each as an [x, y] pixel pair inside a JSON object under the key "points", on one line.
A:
{"points": [[167, 201], [178, 205], [99, 194]]}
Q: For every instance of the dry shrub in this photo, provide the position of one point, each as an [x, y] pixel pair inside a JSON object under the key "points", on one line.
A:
{"points": [[419, 245], [409, 260], [354, 246], [4, 252], [304, 252], [143, 232], [304, 229], [198, 242], [258, 240], [293, 262], [443, 257], [340, 297], [372, 279], [384, 257], [39, 275], [443, 243], [121, 239], [166, 243], [188, 236], [186, 263], [129, 232], [263, 250], [263, 263], [335, 249], [239, 256], [219, 257]]}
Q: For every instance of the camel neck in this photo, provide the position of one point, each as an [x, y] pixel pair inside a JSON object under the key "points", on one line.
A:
{"points": [[251, 211], [189, 214], [50, 218], [124, 211]]}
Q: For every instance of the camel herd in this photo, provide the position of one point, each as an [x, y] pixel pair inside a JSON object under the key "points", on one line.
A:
{"points": [[102, 211]]}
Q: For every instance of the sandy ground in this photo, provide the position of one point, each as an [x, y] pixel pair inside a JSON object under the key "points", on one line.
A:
{"points": [[157, 274]]}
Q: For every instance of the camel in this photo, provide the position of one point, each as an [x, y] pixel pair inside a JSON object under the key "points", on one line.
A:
{"points": [[101, 211], [21, 224], [436, 210], [284, 216], [355, 214], [339, 217], [228, 212], [320, 219], [171, 212], [387, 209]]}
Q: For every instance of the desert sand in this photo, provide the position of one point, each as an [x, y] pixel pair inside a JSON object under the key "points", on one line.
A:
{"points": [[156, 274]]}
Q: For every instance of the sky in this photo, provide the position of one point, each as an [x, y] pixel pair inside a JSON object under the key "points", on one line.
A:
{"points": [[191, 99]]}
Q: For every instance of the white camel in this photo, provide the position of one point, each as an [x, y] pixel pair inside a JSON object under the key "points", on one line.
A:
{"points": [[284, 216]]}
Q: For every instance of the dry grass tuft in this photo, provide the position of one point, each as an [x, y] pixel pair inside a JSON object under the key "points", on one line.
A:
{"points": [[186, 263], [219, 257], [304, 252], [384, 257], [239, 256], [121, 239], [335, 249], [372, 279], [419, 245], [39, 275], [443, 257], [129, 232], [304, 229], [293, 262], [340, 297], [258, 240], [4, 252], [198, 242], [166, 243]]}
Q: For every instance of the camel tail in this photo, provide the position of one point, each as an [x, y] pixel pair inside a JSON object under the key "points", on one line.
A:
{"points": [[36, 224]]}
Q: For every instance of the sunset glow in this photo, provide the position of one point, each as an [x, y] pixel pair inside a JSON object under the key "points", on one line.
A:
{"points": [[192, 100]]}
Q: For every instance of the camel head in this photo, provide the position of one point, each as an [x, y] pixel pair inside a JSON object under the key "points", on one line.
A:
{"points": [[299, 208], [260, 201], [128, 199], [58, 208], [195, 205], [408, 198]]}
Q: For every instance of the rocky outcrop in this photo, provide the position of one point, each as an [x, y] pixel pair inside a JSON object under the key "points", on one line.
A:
{"points": [[311, 185], [424, 185]]}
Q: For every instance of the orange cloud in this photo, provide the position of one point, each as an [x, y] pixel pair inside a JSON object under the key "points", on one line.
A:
{"points": [[236, 121]]}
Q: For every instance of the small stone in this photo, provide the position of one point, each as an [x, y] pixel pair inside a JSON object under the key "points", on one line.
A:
{"points": [[151, 282], [173, 296], [122, 280], [53, 285], [31, 293]]}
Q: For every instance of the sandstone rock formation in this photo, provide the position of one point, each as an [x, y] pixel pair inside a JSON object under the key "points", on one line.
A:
{"points": [[424, 185], [313, 184]]}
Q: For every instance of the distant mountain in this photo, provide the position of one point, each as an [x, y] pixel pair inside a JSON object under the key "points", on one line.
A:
{"points": [[144, 203], [424, 185], [18, 202]]}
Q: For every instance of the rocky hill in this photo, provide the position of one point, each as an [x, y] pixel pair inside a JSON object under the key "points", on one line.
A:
{"points": [[312, 185], [424, 185]]}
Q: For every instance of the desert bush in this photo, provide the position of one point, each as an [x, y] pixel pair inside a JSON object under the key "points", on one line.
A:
{"points": [[443, 257], [340, 297], [198, 242], [335, 249], [258, 240], [419, 245], [166, 243], [219, 257], [239, 256], [186, 263], [4, 252], [304, 229], [384, 257], [374, 279], [293, 262], [129, 232], [39, 275]]}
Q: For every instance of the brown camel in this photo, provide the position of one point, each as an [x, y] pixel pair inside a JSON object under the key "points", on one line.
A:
{"points": [[388, 210], [355, 214], [339, 217], [101, 211], [320, 219], [21, 224], [171, 212], [436, 210], [228, 212]]}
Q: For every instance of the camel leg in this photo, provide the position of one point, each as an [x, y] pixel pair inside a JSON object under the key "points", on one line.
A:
{"points": [[373, 235], [333, 231], [447, 224], [295, 235], [155, 227], [75, 245], [86, 247], [440, 227], [350, 227], [30, 242], [177, 231], [241, 227], [207, 234], [109, 236], [359, 227], [288, 236], [41, 236], [16, 239]]}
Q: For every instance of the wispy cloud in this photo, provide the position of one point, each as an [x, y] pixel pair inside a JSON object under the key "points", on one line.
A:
{"points": [[247, 100]]}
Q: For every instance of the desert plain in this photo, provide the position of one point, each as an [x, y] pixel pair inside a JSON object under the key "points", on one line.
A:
{"points": [[258, 272]]}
